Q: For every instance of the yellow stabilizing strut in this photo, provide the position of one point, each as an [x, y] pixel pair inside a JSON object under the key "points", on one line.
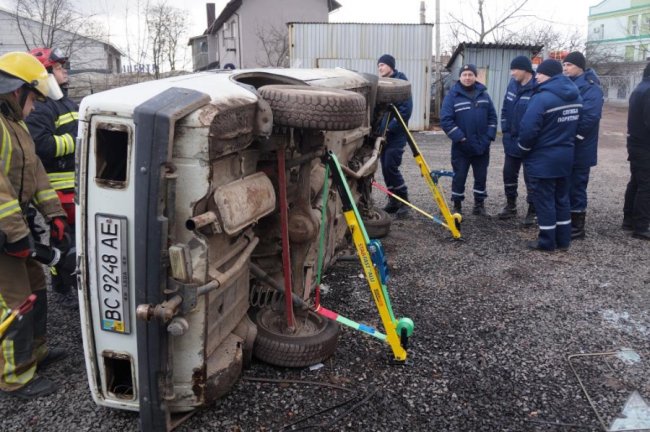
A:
{"points": [[390, 325], [452, 220], [376, 281]]}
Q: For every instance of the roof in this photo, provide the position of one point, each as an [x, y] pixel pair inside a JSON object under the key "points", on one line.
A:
{"points": [[233, 5], [534, 49], [359, 23]]}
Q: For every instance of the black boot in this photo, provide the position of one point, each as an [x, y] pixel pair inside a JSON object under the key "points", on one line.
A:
{"points": [[392, 206], [458, 207], [628, 224], [479, 209], [531, 216], [578, 225], [510, 210]]}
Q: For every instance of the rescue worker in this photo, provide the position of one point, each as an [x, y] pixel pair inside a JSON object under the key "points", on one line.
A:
{"points": [[469, 119], [53, 126], [391, 155], [23, 180], [636, 210], [546, 136], [586, 144], [515, 102]]}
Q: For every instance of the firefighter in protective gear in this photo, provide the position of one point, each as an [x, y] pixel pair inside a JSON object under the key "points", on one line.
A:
{"points": [[23, 180], [53, 126]]}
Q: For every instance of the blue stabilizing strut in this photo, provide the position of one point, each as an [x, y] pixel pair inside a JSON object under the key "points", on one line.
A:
{"points": [[436, 174], [379, 259]]}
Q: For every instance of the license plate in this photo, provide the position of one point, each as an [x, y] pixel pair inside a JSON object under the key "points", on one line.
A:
{"points": [[112, 273]]}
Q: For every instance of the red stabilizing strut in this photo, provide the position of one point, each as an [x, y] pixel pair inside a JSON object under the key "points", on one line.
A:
{"points": [[284, 230]]}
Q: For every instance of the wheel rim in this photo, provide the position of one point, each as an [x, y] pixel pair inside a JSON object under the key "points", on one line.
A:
{"points": [[306, 324]]}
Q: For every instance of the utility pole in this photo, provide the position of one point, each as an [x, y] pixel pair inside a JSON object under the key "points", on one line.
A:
{"points": [[438, 61]]}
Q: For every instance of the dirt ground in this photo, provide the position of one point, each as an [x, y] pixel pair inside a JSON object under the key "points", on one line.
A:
{"points": [[505, 339]]}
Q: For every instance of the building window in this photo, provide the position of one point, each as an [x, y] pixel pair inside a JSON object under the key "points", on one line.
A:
{"points": [[629, 53], [632, 25], [203, 47], [645, 23], [643, 52]]}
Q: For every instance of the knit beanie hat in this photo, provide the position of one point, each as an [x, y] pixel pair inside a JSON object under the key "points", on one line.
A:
{"points": [[550, 67], [388, 60], [576, 58], [646, 71], [521, 63], [468, 67]]}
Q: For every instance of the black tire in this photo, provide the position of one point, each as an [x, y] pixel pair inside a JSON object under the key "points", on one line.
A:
{"points": [[392, 90], [320, 108], [377, 223], [314, 340]]}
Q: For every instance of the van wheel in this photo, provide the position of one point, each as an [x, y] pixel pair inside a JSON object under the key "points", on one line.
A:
{"points": [[311, 107], [392, 90], [377, 223], [313, 341]]}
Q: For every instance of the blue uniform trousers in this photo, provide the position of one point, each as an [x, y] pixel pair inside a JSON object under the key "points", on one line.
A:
{"points": [[637, 194], [391, 159], [578, 194], [551, 200], [460, 165], [511, 166]]}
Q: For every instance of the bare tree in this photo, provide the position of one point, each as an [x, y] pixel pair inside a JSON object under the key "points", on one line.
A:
{"points": [[493, 28], [166, 25], [275, 45], [55, 23]]}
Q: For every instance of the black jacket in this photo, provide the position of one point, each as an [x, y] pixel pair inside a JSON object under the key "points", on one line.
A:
{"points": [[53, 126], [638, 119]]}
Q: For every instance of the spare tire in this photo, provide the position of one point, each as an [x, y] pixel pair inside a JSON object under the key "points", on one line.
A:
{"points": [[313, 341], [392, 90], [310, 107], [377, 223]]}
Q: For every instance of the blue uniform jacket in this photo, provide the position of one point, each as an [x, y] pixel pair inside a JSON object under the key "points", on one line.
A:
{"points": [[394, 132], [471, 117], [514, 107], [586, 150], [548, 128]]}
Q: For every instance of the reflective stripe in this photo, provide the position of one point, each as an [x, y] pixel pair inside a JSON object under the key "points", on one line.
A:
{"points": [[6, 150], [452, 130], [60, 176], [580, 137], [524, 98], [566, 222], [5, 310], [60, 185], [563, 107], [60, 146], [9, 208], [64, 145], [523, 148], [458, 194], [482, 101], [45, 195], [462, 109], [478, 191], [511, 184], [66, 118], [547, 227], [511, 93], [492, 125], [10, 365], [462, 103]]}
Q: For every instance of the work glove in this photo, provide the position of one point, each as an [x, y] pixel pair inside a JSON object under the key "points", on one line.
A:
{"points": [[21, 248], [60, 234]]}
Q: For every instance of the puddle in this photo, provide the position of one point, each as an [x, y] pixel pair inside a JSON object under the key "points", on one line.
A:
{"points": [[634, 417]]}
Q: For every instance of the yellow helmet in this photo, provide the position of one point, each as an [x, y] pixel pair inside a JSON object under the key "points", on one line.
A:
{"points": [[21, 68]]}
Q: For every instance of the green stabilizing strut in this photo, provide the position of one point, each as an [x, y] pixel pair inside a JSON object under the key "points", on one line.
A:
{"points": [[407, 324], [362, 227]]}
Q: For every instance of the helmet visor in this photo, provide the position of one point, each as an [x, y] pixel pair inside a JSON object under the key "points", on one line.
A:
{"points": [[58, 56], [54, 91]]}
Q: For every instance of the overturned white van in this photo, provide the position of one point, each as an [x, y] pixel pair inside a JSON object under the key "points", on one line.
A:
{"points": [[197, 195]]}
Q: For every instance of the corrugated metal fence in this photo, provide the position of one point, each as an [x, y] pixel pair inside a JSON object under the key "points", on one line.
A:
{"points": [[357, 46]]}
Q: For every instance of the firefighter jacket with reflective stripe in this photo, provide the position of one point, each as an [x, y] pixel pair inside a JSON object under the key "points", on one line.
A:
{"points": [[22, 178], [53, 125], [513, 109], [548, 128], [586, 149], [469, 115]]}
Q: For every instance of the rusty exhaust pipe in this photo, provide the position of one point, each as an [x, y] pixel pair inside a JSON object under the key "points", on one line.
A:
{"points": [[201, 220]]}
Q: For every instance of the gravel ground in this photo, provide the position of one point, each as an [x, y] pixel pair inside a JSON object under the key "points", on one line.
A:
{"points": [[495, 325]]}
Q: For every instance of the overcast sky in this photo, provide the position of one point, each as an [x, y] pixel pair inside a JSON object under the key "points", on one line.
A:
{"points": [[566, 14]]}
